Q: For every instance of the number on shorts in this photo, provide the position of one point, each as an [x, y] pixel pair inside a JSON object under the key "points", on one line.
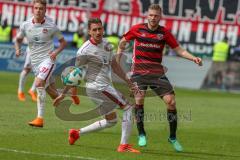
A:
{"points": [[44, 69]]}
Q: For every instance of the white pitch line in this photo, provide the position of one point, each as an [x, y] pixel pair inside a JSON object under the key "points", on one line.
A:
{"points": [[46, 154]]}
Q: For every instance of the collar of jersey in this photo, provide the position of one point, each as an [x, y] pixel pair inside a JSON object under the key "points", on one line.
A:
{"points": [[93, 42], [151, 31], [43, 21]]}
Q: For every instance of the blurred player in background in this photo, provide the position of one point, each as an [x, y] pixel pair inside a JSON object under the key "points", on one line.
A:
{"points": [[79, 37], [96, 54], [39, 32], [149, 41], [22, 78]]}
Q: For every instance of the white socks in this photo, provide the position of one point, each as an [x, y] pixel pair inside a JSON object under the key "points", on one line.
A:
{"points": [[22, 79], [126, 125], [41, 101], [99, 125], [33, 88]]}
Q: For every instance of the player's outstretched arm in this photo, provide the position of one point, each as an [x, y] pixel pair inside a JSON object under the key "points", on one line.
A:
{"points": [[116, 65], [185, 54], [121, 47], [119, 71]]}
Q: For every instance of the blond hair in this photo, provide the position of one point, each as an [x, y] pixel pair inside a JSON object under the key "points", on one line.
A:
{"points": [[43, 2], [155, 7]]}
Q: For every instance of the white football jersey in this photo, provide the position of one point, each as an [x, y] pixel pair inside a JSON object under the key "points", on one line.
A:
{"points": [[98, 59], [40, 38]]}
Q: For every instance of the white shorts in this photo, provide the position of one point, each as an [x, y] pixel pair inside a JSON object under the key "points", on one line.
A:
{"points": [[108, 99], [44, 70], [27, 63]]}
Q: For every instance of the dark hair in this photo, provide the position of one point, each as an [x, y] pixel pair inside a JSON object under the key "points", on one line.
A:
{"points": [[93, 21], [155, 7]]}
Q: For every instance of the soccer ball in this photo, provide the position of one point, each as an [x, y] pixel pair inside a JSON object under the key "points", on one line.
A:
{"points": [[71, 76]]}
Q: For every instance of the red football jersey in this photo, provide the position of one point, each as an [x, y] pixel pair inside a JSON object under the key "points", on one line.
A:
{"points": [[148, 48]]}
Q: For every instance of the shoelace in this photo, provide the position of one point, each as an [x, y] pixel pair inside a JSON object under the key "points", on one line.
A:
{"points": [[129, 147]]}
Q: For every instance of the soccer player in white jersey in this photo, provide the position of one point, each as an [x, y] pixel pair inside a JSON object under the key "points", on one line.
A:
{"points": [[27, 67], [96, 54], [40, 32], [22, 78]]}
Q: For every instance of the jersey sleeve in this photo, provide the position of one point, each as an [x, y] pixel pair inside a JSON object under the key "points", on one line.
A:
{"points": [[81, 57], [131, 34], [21, 33], [171, 40]]}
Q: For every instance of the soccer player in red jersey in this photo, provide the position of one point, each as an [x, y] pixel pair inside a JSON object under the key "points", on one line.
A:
{"points": [[147, 71]]}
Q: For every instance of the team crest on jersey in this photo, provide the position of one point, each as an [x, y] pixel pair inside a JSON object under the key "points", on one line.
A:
{"points": [[160, 36], [44, 30]]}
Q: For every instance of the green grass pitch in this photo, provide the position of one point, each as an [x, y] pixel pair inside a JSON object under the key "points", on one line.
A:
{"points": [[209, 128]]}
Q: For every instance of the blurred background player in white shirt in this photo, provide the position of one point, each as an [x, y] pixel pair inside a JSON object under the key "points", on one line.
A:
{"points": [[22, 78], [40, 32], [27, 67], [97, 55]]}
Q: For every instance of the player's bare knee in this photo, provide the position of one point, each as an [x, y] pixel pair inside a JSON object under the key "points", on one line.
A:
{"points": [[27, 70], [111, 116], [170, 101], [171, 104], [139, 100], [111, 119], [39, 83]]}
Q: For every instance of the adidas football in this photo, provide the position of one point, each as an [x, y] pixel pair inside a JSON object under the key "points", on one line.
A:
{"points": [[71, 76]]}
